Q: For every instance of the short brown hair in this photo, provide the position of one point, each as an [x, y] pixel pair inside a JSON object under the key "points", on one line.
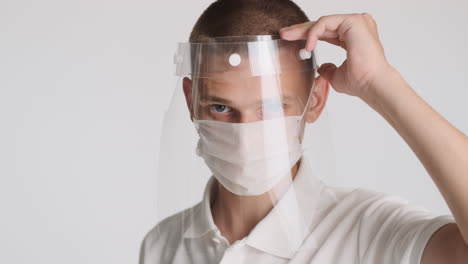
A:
{"points": [[246, 17]]}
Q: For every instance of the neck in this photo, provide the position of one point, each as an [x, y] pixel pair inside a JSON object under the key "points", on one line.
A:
{"points": [[236, 215]]}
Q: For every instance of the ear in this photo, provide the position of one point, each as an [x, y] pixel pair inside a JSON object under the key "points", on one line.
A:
{"points": [[187, 86], [318, 99]]}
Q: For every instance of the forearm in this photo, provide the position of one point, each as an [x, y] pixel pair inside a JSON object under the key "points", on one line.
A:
{"points": [[441, 148]]}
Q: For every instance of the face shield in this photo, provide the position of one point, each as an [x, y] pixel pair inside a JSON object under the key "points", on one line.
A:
{"points": [[243, 122]]}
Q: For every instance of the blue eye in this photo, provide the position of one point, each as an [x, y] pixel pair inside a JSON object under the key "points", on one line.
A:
{"points": [[220, 108]]}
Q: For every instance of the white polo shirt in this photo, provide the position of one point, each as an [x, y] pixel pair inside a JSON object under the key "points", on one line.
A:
{"points": [[348, 226]]}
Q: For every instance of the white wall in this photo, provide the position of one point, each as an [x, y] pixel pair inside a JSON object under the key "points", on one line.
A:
{"points": [[84, 85]]}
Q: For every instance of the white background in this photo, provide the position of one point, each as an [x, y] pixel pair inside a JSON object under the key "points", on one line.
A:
{"points": [[83, 89]]}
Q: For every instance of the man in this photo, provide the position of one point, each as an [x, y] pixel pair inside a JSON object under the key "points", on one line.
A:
{"points": [[349, 227]]}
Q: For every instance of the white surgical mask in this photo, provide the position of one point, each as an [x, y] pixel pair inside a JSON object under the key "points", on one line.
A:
{"points": [[250, 158]]}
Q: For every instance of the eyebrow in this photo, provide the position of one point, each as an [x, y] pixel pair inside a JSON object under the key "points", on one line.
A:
{"points": [[215, 98], [221, 100]]}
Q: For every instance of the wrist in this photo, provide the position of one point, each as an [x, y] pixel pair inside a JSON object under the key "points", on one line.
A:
{"points": [[386, 83]]}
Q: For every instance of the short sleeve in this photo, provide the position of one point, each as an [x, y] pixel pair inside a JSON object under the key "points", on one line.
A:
{"points": [[429, 228], [392, 231]]}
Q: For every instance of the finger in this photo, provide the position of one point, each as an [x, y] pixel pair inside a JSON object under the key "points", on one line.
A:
{"points": [[325, 28], [306, 24], [301, 33], [296, 32], [322, 28]]}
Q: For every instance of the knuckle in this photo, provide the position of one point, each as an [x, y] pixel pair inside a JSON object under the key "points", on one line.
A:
{"points": [[368, 18], [356, 15], [367, 15], [320, 20], [325, 19], [310, 32]]}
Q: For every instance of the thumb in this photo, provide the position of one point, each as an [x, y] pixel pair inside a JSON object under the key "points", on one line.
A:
{"points": [[327, 70]]}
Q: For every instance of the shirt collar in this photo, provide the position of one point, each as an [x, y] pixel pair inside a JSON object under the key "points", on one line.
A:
{"points": [[284, 228], [201, 221]]}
